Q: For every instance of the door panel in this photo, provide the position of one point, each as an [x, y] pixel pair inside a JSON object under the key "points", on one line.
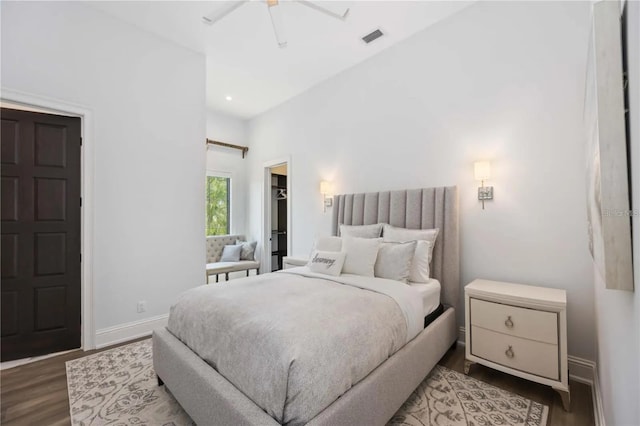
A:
{"points": [[9, 256], [9, 141], [50, 145], [9, 199], [49, 254], [9, 313], [50, 197], [40, 233]]}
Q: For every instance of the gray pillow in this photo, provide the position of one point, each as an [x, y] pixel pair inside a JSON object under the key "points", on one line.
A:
{"points": [[248, 250], [361, 231], [231, 253], [394, 261]]}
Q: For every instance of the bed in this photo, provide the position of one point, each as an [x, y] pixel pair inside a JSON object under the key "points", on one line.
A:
{"points": [[209, 398]]}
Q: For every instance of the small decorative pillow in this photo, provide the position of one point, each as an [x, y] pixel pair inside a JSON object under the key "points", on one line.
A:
{"points": [[361, 255], [231, 253], [248, 251], [394, 261], [326, 262], [361, 231], [328, 244]]}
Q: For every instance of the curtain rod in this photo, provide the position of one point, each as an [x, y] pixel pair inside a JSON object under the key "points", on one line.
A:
{"points": [[244, 149]]}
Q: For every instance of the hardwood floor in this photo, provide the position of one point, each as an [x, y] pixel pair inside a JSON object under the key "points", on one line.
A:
{"points": [[36, 394]]}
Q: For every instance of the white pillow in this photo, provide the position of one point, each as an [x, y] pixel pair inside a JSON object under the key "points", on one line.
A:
{"points": [[328, 244], [426, 238], [391, 234], [420, 270], [361, 255], [231, 253], [326, 262], [394, 261], [361, 231]]}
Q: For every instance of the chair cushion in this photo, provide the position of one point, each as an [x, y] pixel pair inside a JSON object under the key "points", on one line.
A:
{"points": [[222, 267]]}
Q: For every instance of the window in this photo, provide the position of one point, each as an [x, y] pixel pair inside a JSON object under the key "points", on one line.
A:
{"points": [[218, 208]]}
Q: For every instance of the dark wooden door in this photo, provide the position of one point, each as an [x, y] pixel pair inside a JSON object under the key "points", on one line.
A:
{"points": [[40, 233]]}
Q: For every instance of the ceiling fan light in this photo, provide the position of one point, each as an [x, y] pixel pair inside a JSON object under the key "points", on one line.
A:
{"points": [[223, 10], [272, 3], [322, 7], [278, 25]]}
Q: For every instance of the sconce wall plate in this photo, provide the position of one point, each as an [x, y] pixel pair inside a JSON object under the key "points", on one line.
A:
{"points": [[485, 193], [482, 172], [327, 198]]}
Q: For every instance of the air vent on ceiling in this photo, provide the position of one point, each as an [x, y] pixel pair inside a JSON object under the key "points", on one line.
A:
{"points": [[372, 36]]}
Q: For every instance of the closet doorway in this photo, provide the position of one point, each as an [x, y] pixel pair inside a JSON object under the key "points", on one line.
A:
{"points": [[277, 217]]}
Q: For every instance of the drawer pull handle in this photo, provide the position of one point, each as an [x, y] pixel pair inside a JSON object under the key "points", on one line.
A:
{"points": [[509, 322], [509, 353]]}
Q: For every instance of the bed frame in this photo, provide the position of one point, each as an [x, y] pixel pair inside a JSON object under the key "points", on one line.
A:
{"points": [[212, 400]]}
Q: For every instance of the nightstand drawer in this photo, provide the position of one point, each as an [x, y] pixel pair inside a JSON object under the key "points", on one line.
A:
{"points": [[525, 355], [529, 324]]}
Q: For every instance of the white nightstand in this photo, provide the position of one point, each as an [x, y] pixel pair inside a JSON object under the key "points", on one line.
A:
{"points": [[520, 330], [292, 262]]}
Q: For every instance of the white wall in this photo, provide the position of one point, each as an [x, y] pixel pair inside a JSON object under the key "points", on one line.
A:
{"points": [[500, 81], [147, 98], [618, 312], [224, 128]]}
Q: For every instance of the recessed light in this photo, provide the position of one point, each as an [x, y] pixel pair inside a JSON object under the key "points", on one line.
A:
{"points": [[229, 98]]}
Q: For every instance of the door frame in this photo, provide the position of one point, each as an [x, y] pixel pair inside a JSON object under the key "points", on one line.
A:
{"points": [[266, 209], [87, 159]]}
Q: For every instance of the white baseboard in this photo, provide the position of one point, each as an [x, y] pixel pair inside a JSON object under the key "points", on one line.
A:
{"points": [[129, 331], [598, 408], [581, 370]]}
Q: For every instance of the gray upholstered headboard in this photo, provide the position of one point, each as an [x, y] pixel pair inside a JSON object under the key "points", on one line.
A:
{"points": [[416, 209]]}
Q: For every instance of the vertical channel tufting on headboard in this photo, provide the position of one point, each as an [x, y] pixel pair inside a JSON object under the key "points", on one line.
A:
{"points": [[415, 209]]}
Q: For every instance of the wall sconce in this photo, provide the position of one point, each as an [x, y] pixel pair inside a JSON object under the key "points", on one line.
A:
{"points": [[482, 172], [327, 194]]}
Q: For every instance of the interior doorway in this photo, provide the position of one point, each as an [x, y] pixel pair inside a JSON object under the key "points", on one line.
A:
{"points": [[277, 214], [41, 233]]}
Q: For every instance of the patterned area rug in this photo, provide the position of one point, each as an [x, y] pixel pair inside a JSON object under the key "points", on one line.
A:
{"points": [[118, 387], [447, 397]]}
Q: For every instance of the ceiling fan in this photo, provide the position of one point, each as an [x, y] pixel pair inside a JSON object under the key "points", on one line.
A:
{"points": [[275, 12]]}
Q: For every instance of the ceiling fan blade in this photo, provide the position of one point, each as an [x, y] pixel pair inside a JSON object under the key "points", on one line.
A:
{"points": [[226, 8], [276, 20], [316, 6]]}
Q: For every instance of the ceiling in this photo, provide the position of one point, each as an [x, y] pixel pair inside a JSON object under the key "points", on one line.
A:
{"points": [[244, 60]]}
